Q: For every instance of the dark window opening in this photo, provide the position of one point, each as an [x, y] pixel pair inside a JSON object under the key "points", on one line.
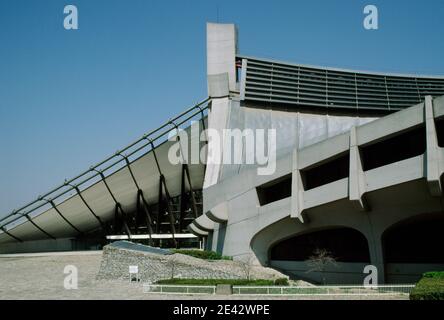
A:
{"points": [[344, 244], [275, 190], [333, 170], [404, 146], [439, 124], [417, 241]]}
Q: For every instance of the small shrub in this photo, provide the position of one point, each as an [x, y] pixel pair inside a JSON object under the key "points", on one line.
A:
{"points": [[207, 255], [430, 287], [281, 282], [433, 274]]}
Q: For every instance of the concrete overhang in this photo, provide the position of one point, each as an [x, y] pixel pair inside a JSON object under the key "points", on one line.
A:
{"points": [[219, 213], [196, 231], [204, 223]]}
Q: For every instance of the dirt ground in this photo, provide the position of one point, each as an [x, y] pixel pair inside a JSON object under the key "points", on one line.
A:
{"points": [[41, 276]]}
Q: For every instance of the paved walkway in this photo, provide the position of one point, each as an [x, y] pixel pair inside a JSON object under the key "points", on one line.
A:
{"points": [[40, 276]]}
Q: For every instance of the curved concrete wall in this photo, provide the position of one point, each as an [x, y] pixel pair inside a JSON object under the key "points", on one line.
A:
{"points": [[369, 201]]}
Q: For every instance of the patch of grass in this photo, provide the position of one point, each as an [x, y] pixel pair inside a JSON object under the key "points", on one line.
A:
{"points": [[213, 282], [430, 287], [207, 255]]}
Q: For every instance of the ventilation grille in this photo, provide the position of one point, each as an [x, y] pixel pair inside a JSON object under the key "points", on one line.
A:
{"points": [[289, 84]]}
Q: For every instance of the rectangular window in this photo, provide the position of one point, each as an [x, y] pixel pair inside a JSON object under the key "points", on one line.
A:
{"points": [[439, 124], [274, 190], [330, 171], [403, 146]]}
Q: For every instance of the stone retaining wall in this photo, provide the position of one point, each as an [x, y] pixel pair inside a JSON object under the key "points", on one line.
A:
{"points": [[152, 267]]}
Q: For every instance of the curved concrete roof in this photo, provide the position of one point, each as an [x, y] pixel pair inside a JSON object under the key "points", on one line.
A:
{"points": [[77, 212]]}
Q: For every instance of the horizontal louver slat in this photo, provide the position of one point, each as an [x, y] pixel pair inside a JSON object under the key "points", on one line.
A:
{"points": [[281, 83]]}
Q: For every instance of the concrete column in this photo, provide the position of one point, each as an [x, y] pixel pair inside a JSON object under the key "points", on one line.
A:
{"points": [[297, 190], [377, 256], [356, 180], [218, 118], [243, 79], [209, 241], [215, 237], [221, 52], [433, 151]]}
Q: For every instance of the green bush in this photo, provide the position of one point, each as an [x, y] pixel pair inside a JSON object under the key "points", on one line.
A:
{"points": [[430, 287], [434, 274], [213, 282], [207, 255], [281, 282]]}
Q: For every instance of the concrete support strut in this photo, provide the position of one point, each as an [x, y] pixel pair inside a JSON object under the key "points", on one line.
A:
{"points": [[433, 169], [120, 219], [143, 213], [163, 191], [356, 181], [297, 190], [119, 213], [51, 202], [11, 235], [39, 228], [102, 225]]}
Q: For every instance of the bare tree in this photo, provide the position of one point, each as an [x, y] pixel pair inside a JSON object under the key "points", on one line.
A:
{"points": [[172, 265], [320, 260], [246, 265]]}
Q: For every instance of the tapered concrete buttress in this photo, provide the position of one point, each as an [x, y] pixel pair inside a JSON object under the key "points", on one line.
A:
{"points": [[433, 154]]}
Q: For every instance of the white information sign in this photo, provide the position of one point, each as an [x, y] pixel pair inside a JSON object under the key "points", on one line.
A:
{"points": [[133, 269]]}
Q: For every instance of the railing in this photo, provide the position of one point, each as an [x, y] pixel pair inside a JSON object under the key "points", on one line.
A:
{"points": [[324, 290], [178, 289], [346, 290]]}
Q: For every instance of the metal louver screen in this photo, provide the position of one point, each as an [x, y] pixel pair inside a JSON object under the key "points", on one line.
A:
{"points": [[290, 84]]}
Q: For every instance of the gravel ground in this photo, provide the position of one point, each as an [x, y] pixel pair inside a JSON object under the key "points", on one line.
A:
{"points": [[40, 276]]}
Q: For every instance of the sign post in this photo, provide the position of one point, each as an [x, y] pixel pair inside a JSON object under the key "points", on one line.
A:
{"points": [[134, 270]]}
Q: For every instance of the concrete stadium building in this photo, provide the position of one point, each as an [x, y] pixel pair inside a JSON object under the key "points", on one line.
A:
{"points": [[358, 172]]}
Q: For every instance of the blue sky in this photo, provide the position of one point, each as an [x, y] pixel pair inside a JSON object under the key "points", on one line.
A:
{"points": [[70, 98]]}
